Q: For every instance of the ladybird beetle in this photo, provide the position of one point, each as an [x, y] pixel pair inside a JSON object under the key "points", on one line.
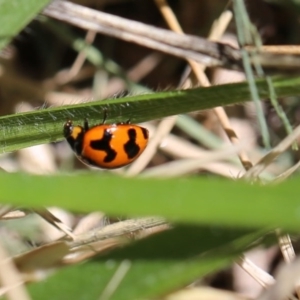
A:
{"points": [[106, 146]]}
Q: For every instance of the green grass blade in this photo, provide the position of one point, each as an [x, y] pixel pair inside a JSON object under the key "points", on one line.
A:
{"points": [[15, 15], [191, 200], [44, 126], [246, 35]]}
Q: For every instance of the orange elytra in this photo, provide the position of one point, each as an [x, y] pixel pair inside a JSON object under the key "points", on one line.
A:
{"points": [[106, 146]]}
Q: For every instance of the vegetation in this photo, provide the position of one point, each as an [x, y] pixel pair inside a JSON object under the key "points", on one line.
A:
{"points": [[193, 202]]}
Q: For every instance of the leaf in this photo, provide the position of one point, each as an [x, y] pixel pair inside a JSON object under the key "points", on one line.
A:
{"points": [[15, 15], [44, 126], [190, 200]]}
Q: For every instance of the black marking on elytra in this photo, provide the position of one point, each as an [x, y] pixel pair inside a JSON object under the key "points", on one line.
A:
{"points": [[131, 148], [145, 133], [104, 145]]}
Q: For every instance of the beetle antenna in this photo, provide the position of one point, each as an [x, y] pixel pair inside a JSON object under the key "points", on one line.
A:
{"points": [[86, 125], [104, 115]]}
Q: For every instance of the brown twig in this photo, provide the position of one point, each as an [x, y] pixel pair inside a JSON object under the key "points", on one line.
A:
{"points": [[185, 46], [74, 14]]}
